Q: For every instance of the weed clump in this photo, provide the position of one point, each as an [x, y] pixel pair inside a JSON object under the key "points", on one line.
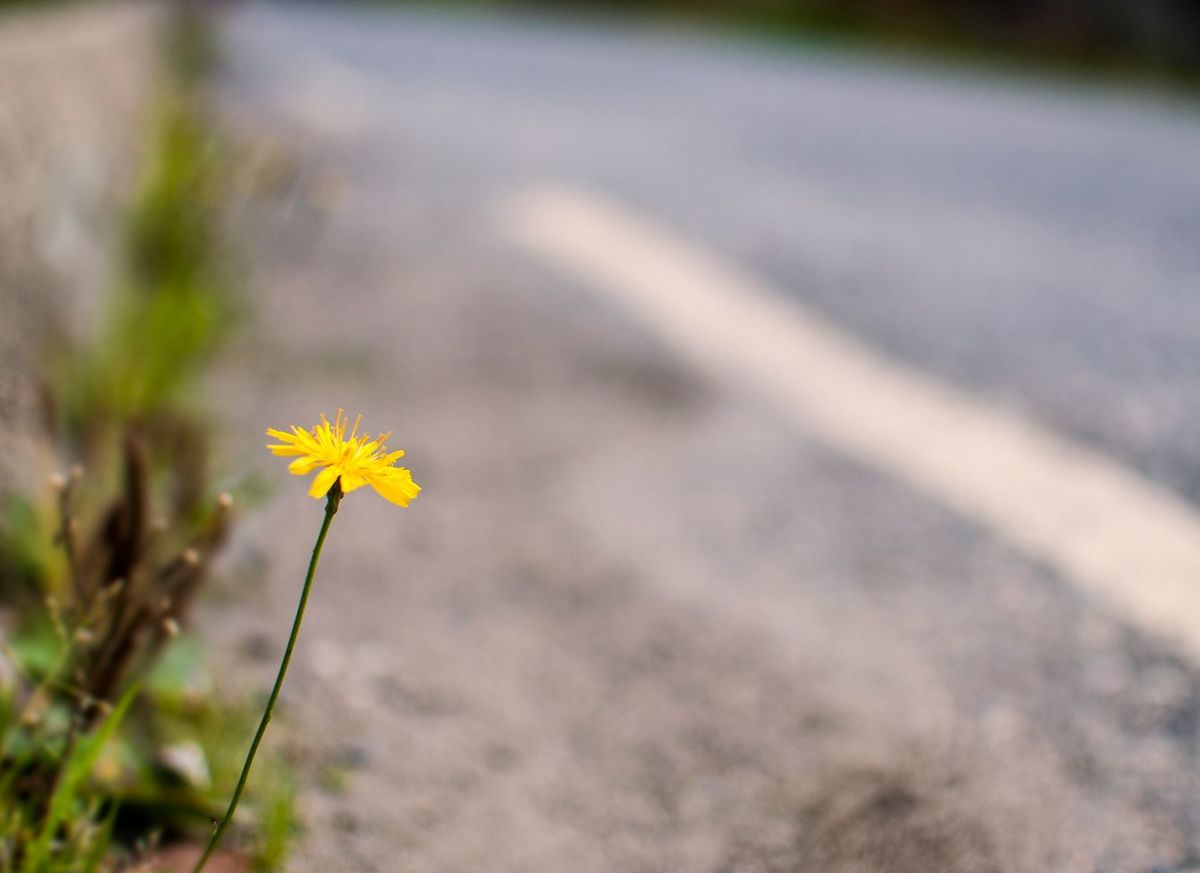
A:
{"points": [[109, 745]]}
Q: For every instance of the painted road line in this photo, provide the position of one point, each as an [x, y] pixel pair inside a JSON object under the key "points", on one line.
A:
{"points": [[1099, 524]]}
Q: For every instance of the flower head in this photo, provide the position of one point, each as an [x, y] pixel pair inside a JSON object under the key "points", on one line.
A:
{"points": [[355, 460]]}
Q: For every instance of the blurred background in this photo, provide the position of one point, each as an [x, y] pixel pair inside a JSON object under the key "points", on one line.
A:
{"points": [[1154, 36], [804, 396]]}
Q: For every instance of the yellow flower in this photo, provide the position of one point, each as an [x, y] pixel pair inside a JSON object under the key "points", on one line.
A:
{"points": [[355, 460]]}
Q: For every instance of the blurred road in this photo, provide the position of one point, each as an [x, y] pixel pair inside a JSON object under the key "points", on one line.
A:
{"points": [[640, 620]]}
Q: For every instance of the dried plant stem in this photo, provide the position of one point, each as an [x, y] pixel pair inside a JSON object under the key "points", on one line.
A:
{"points": [[331, 508]]}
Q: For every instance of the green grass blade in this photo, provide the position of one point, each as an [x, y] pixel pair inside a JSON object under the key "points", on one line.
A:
{"points": [[74, 775]]}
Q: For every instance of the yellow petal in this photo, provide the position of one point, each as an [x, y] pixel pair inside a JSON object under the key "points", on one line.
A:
{"points": [[286, 450], [304, 466], [352, 482], [323, 482], [398, 488]]}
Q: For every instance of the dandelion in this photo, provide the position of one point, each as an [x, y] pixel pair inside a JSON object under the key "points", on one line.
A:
{"points": [[345, 464], [355, 460]]}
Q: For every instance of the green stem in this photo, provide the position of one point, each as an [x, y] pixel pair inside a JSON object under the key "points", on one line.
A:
{"points": [[331, 508]]}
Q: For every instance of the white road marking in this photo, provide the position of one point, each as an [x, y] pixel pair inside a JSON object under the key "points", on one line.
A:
{"points": [[1101, 525]]}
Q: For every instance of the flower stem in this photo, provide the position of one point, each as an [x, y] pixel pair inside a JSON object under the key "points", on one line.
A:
{"points": [[331, 507]]}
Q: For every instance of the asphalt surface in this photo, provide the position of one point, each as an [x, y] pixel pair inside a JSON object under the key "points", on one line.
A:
{"points": [[636, 622], [1037, 243]]}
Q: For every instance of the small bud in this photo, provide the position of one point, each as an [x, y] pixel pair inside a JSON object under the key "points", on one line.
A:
{"points": [[83, 636], [191, 557], [58, 481], [225, 500], [170, 627]]}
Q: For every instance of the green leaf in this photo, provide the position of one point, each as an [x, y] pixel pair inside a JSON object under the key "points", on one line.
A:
{"points": [[71, 782]]}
